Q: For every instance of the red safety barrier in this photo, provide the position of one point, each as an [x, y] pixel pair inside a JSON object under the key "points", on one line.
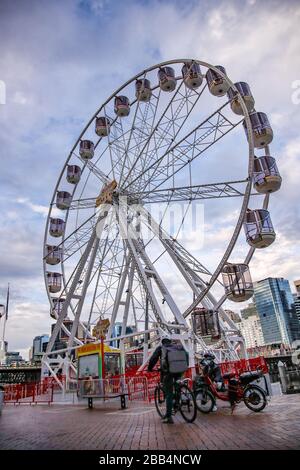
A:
{"points": [[37, 392], [52, 381], [138, 388], [244, 365]]}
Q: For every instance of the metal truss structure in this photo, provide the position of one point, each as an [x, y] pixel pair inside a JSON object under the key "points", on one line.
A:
{"points": [[109, 268]]}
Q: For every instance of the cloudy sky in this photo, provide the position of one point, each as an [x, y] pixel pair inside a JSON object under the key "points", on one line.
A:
{"points": [[60, 60]]}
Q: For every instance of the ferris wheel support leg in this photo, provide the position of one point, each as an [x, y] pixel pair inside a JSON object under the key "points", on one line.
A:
{"points": [[118, 298], [136, 247], [146, 336], [125, 316], [84, 290], [128, 238], [74, 285], [87, 329]]}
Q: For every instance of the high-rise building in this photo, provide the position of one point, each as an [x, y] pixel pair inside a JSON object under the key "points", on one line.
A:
{"points": [[117, 331], [249, 311], [297, 285], [250, 327], [275, 306], [13, 358], [30, 354], [297, 305], [233, 316], [297, 298], [39, 347]]}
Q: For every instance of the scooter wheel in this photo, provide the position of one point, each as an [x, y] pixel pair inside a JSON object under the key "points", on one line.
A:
{"points": [[205, 400]]}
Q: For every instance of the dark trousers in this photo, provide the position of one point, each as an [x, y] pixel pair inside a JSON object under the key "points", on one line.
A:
{"points": [[168, 382]]}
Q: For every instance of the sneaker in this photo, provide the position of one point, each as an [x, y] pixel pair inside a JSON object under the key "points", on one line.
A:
{"points": [[168, 420], [215, 408]]}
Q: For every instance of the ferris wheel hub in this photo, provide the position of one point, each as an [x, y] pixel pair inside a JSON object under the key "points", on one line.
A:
{"points": [[106, 193]]}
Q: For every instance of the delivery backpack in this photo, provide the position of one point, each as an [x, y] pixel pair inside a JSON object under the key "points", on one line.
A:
{"points": [[174, 359]]}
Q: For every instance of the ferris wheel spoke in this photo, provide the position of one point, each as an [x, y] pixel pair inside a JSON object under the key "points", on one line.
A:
{"points": [[139, 131], [163, 134], [101, 248], [108, 280], [175, 194], [173, 247], [190, 193], [182, 153], [130, 142]]}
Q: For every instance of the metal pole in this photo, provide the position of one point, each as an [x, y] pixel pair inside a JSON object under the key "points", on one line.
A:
{"points": [[146, 335]]}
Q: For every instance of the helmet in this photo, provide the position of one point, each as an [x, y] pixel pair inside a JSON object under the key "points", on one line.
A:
{"points": [[209, 355], [165, 340]]}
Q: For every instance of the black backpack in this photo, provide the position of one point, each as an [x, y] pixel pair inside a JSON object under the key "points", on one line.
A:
{"points": [[174, 359]]}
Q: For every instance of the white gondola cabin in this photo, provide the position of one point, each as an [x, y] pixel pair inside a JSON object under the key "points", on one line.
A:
{"points": [[266, 177], [86, 149], [143, 90], [217, 85], [259, 228], [57, 227], [102, 126], [206, 323], [192, 75], [262, 131], [245, 92], [167, 80], [73, 174], [57, 307], [237, 282], [63, 200], [53, 254], [122, 106], [54, 282]]}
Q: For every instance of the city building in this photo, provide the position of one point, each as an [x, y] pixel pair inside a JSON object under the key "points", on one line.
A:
{"points": [[251, 330], [39, 347], [275, 306], [297, 305], [30, 354], [297, 298], [234, 316], [297, 286], [3, 351], [62, 337], [13, 358], [117, 330], [249, 311]]}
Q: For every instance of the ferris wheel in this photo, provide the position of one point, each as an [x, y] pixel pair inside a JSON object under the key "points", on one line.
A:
{"points": [[112, 265]]}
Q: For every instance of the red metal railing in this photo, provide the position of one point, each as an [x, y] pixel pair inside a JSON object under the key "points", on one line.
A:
{"points": [[37, 392], [244, 365], [140, 385]]}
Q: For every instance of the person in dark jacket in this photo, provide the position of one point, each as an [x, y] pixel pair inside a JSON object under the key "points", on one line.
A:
{"points": [[168, 380]]}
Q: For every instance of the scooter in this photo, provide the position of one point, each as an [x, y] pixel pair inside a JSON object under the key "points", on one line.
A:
{"points": [[210, 386]]}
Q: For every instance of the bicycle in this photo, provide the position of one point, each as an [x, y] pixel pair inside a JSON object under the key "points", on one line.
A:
{"points": [[183, 401]]}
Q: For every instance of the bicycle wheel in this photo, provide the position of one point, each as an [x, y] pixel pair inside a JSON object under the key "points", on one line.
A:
{"points": [[160, 401], [205, 400], [187, 404], [255, 398]]}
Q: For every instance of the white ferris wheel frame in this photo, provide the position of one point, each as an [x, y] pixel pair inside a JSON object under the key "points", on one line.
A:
{"points": [[201, 290]]}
